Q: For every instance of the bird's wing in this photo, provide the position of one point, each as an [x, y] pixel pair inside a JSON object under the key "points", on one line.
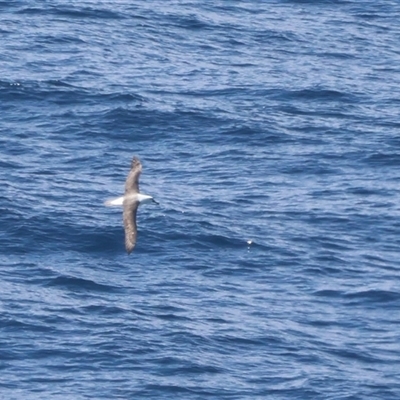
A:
{"points": [[129, 215], [132, 181]]}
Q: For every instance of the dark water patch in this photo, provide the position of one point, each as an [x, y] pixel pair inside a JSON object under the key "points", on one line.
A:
{"points": [[274, 36], [171, 317], [337, 55], [368, 191], [362, 297], [250, 344], [379, 260], [254, 135], [59, 83], [325, 323], [73, 12], [16, 325], [152, 389], [334, 245], [311, 165], [316, 270], [63, 93], [175, 366], [375, 296], [212, 241], [79, 284], [29, 273], [62, 40], [189, 22], [5, 355], [224, 92], [329, 293], [330, 260], [44, 91], [129, 118], [383, 159], [319, 112], [37, 233], [103, 310], [317, 94], [187, 337], [355, 355], [67, 96], [130, 123]]}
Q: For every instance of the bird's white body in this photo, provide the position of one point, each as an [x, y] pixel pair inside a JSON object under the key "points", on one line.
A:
{"points": [[144, 198], [119, 201]]}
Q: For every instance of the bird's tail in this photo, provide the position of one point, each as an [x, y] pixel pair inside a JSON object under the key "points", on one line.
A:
{"points": [[119, 201]]}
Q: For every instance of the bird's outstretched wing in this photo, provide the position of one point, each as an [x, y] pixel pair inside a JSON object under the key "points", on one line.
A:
{"points": [[129, 215], [132, 181]]}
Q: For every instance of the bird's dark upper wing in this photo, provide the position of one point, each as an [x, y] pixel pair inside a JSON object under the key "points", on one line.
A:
{"points": [[129, 215], [132, 181]]}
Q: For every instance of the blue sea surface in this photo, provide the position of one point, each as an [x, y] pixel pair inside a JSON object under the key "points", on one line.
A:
{"points": [[269, 133]]}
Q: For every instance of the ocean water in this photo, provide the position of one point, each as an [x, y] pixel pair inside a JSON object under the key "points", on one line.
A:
{"points": [[269, 133]]}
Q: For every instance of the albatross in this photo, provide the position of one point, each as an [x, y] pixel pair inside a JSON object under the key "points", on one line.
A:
{"points": [[130, 202]]}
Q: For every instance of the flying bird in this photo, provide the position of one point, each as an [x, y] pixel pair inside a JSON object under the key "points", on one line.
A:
{"points": [[130, 202]]}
